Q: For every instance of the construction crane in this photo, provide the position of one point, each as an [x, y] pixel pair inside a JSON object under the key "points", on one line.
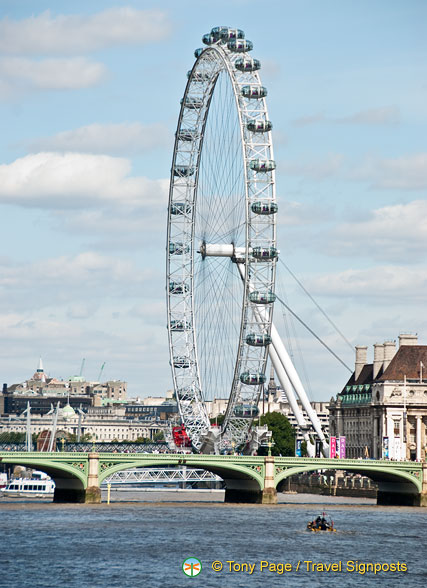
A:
{"points": [[100, 372], [81, 367]]}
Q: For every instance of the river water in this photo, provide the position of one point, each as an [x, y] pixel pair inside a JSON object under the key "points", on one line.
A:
{"points": [[141, 540]]}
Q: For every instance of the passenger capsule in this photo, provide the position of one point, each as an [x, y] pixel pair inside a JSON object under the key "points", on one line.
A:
{"points": [[262, 165], [209, 39], [192, 102], [180, 208], [180, 326], [265, 253], [240, 45], [262, 297], [178, 288], [245, 411], [228, 34], [181, 361], [264, 207], [178, 248], [183, 171], [254, 92], [187, 134], [198, 52], [252, 378], [259, 126], [258, 339], [247, 64], [198, 76]]}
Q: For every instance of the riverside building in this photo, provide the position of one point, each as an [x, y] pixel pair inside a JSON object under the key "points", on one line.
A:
{"points": [[382, 409]]}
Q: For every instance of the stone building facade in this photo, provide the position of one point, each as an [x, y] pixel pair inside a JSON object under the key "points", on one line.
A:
{"points": [[382, 409]]}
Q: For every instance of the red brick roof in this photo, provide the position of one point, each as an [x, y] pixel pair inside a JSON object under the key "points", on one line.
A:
{"points": [[406, 362]]}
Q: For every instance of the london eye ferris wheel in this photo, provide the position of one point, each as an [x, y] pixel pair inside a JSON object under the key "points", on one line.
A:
{"points": [[221, 238]]}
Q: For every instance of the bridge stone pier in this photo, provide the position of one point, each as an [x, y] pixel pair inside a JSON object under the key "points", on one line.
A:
{"points": [[78, 476]]}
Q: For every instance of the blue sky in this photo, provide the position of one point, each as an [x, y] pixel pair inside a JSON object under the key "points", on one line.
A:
{"points": [[89, 99]]}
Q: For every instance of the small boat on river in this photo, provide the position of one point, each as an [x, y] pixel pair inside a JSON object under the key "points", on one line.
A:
{"points": [[321, 523]]}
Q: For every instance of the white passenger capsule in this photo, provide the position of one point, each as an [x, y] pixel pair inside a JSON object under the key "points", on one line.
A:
{"points": [[178, 248], [262, 165], [258, 339], [265, 253], [240, 45], [259, 126], [252, 378], [264, 207], [199, 76], [180, 326], [188, 134], [262, 297], [192, 102], [248, 411], [183, 171], [228, 34], [254, 92], [209, 39], [198, 52], [178, 288], [247, 64], [181, 361], [180, 208]]}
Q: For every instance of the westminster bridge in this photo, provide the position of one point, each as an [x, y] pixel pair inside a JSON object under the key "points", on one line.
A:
{"points": [[78, 475]]}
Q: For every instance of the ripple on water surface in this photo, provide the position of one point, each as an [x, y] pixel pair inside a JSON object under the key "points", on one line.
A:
{"points": [[130, 545]]}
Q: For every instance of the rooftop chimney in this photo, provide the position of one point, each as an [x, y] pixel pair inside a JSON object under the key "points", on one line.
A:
{"points": [[389, 351], [408, 339], [361, 357], [378, 359]]}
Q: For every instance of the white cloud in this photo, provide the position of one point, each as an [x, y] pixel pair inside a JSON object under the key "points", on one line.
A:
{"points": [[88, 268], [14, 326], [297, 214], [310, 119], [106, 138], [387, 115], [397, 232], [73, 285], [70, 180], [408, 172], [380, 282], [49, 74], [45, 34], [316, 170]]}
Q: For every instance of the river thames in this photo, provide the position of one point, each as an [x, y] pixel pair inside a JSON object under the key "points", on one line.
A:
{"points": [[144, 544]]}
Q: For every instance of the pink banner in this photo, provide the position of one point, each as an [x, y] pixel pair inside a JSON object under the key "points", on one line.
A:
{"points": [[342, 447], [332, 447]]}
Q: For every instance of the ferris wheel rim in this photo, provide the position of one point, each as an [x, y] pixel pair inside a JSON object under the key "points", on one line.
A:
{"points": [[191, 401]]}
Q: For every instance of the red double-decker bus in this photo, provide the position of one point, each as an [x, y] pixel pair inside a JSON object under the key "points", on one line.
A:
{"points": [[180, 437]]}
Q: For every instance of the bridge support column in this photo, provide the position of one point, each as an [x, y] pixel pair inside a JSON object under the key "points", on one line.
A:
{"points": [[93, 490], [423, 495], [269, 494]]}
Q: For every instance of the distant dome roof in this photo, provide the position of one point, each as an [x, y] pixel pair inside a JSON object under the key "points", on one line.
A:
{"points": [[68, 412]]}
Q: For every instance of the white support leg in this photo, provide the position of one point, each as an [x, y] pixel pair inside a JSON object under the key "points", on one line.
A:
{"points": [[298, 387], [287, 386]]}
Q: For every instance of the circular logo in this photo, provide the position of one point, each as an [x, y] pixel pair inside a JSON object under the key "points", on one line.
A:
{"points": [[192, 567]]}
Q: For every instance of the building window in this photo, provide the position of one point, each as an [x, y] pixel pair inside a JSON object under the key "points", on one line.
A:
{"points": [[396, 428]]}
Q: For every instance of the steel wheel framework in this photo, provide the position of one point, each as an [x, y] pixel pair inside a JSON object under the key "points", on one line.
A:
{"points": [[256, 276]]}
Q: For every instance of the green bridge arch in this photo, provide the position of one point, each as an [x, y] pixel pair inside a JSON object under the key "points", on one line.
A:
{"points": [[377, 470], [226, 469], [53, 464]]}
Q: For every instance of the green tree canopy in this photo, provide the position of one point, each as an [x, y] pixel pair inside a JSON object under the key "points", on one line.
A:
{"points": [[283, 434]]}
